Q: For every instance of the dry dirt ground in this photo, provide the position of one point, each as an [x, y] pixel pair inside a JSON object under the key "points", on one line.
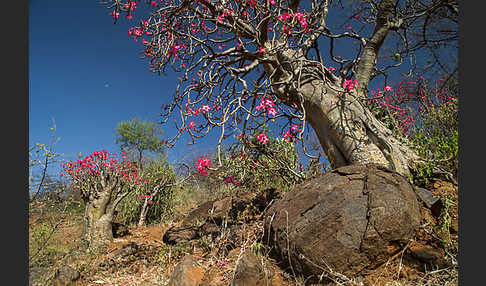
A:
{"points": [[141, 258]]}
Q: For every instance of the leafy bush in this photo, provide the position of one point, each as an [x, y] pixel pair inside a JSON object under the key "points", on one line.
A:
{"points": [[427, 117], [158, 173], [40, 254], [436, 139], [256, 166]]}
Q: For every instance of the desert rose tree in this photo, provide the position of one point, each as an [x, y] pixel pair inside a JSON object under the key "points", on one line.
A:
{"points": [[103, 181], [243, 63]]}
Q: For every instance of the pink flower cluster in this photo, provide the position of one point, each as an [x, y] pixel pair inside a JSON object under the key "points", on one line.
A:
{"points": [[286, 16], [100, 164], [141, 197], [261, 51], [262, 138], [299, 16], [130, 6], [231, 180], [201, 109], [202, 164], [289, 134], [204, 108], [269, 105], [174, 50], [350, 84], [302, 19], [115, 14], [395, 104]]}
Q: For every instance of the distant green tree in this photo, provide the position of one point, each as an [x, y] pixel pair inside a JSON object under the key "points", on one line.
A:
{"points": [[139, 137]]}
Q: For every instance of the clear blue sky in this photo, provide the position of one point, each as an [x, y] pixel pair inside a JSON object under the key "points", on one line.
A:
{"points": [[86, 73]]}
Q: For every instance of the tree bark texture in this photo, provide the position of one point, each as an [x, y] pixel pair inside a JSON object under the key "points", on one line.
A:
{"points": [[347, 130], [98, 219]]}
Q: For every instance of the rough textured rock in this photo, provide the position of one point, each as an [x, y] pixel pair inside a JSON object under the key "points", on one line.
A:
{"points": [[126, 250], [180, 235], [66, 275], [208, 217], [430, 201], [349, 219], [119, 230], [214, 211], [253, 271], [186, 273], [36, 273], [249, 270], [427, 253]]}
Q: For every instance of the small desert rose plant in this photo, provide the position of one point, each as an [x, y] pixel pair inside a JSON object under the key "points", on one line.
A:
{"points": [[427, 116], [256, 162], [103, 180]]}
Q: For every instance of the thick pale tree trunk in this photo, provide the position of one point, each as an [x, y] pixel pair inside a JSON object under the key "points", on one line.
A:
{"points": [[98, 219], [348, 132]]}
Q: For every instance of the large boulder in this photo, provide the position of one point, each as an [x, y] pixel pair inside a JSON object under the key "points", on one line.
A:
{"points": [[347, 220]]}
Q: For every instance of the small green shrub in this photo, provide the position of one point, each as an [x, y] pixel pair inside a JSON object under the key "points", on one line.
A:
{"points": [[168, 254], [436, 139], [259, 249], [156, 173], [40, 253]]}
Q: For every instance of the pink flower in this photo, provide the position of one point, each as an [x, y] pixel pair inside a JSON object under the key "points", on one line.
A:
{"points": [[272, 2], [272, 111], [229, 179], [388, 88], [154, 3], [201, 164], [115, 14], [287, 135], [350, 84], [294, 128], [261, 51], [332, 69], [191, 124], [138, 32], [262, 138], [205, 108], [284, 17], [266, 103]]}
